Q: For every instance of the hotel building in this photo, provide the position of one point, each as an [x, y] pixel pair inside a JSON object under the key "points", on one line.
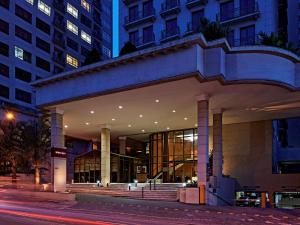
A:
{"points": [[40, 38]]}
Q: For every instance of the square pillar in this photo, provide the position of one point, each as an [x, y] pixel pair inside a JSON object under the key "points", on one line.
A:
{"points": [[105, 156], [203, 135], [217, 144], [58, 152]]}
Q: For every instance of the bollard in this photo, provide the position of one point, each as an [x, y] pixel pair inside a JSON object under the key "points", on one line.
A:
{"points": [[154, 184], [150, 184], [202, 194], [263, 200], [142, 192]]}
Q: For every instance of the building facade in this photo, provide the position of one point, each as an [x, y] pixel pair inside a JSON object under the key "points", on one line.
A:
{"points": [[146, 23], [40, 38], [220, 120]]}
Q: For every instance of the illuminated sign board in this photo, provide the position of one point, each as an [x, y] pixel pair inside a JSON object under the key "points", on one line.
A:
{"points": [[59, 152]]}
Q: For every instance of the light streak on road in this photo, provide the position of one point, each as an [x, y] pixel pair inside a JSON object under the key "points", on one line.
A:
{"points": [[53, 218]]}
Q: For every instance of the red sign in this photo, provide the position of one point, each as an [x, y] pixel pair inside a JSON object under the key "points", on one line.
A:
{"points": [[59, 152]]}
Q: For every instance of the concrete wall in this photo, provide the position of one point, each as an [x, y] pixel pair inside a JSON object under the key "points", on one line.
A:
{"points": [[248, 157]]}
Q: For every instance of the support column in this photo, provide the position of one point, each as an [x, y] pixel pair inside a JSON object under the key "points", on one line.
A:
{"points": [[58, 152], [217, 144], [122, 145], [203, 134], [105, 156]]}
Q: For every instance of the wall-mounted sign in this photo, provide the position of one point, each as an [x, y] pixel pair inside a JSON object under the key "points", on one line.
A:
{"points": [[58, 152]]}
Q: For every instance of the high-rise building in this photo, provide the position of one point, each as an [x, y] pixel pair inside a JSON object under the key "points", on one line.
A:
{"points": [[146, 23], [40, 38]]}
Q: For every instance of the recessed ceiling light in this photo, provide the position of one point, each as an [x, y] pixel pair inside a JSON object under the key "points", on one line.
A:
{"points": [[156, 122], [66, 126], [113, 119], [174, 111], [185, 118], [92, 111], [196, 125], [157, 100], [168, 128], [87, 123], [143, 131], [140, 115], [120, 107], [129, 125]]}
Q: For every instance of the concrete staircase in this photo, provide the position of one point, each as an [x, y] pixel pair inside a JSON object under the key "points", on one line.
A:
{"points": [[162, 192]]}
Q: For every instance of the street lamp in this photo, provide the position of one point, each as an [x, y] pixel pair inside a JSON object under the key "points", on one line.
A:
{"points": [[9, 116]]}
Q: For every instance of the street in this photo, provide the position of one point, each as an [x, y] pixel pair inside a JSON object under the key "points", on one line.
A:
{"points": [[21, 210]]}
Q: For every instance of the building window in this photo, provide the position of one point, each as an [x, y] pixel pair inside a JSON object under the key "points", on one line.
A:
{"points": [[247, 6], [72, 10], [44, 8], [4, 49], [4, 27], [148, 35], [23, 34], [196, 19], [4, 91], [133, 13], [171, 27], [22, 54], [230, 38], [41, 25], [72, 61], [247, 35], [86, 37], [71, 27], [134, 37], [72, 44], [23, 96], [4, 3], [84, 51], [85, 5], [23, 14], [30, 1], [43, 64], [44, 45], [22, 75], [227, 10], [148, 8], [85, 21], [4, 70]]}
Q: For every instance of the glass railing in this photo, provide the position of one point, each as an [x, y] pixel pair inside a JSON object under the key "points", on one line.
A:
{"points": [[168, 5], [139, 16], [168, 33]]}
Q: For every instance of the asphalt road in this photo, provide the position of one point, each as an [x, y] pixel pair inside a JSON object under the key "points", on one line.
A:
{"points": [[100, 210]]}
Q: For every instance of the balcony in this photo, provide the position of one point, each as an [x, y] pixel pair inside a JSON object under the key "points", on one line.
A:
{"points": [[139, 18], [245, 42], [194, 3], [144, 42], [128, 2], [170, 7], [239, 15], [170, 34], [59, 6], [193, 28]]}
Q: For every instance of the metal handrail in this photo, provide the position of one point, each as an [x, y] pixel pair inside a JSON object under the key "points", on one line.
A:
{"points": [[167, 5], [139, 15], [238, 12]]}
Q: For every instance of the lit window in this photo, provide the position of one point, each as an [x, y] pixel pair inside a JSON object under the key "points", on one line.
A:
{"points": [[85, 5], [72, 61], [44, 8], [19, 53], [72, 10], [30, 1], [86, 37], [71, 27]]}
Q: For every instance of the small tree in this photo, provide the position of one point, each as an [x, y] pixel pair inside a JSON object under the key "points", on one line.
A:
{"points": [[213, 30], [92, 57], [279, 41], [128, 48], [37, 141], [11, 144]]}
